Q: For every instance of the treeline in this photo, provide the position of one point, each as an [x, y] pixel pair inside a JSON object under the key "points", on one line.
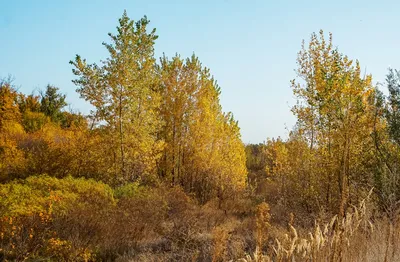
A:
{"points": [[345, 142], [151, 122], [157, 171]]}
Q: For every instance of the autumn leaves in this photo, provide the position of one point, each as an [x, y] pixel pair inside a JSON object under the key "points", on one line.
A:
{"points": [[162, 121]]}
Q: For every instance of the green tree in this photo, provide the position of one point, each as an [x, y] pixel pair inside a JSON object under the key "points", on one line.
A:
{"points": [[52, 102], [387, 146], [124, 92], [392, 112]]}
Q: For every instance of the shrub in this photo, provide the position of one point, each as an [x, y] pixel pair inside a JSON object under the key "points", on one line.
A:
{"points": [[39, 217]]}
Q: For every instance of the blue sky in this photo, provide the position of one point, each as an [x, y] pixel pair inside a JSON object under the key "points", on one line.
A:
{"points": [[250, 46]]}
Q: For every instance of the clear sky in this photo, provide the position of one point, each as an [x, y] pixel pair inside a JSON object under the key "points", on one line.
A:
{"points": [[250, 46]]}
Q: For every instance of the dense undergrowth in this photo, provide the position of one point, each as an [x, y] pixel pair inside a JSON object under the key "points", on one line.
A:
{"points": [[69, 219], [84, 220]]}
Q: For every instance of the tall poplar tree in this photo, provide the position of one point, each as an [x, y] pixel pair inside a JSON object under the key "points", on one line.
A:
{"points": [[335, 116], [124, 92], [204, 152]]}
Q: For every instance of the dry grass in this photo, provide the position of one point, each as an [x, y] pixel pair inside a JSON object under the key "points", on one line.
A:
{"points": [[356, 237], [166, 224]]}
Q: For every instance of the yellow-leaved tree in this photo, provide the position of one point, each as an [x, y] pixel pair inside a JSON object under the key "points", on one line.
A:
{"points": [[203, 152], [11, 157], [124, 92], [334, 115]]}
